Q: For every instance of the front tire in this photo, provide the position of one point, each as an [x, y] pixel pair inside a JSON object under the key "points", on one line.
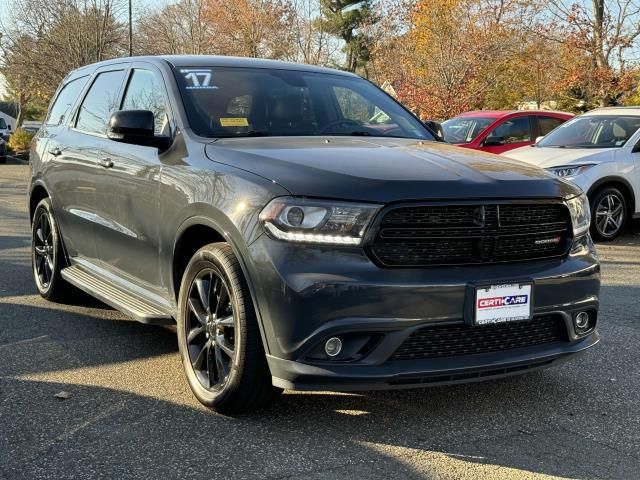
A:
{"points": [[218, 337], [609, 214], [47, 256]]}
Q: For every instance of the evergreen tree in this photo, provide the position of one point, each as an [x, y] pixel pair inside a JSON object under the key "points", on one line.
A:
{"points": [[344, 19]]}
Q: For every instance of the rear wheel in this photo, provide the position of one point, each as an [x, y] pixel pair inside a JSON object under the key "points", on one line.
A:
{"points": [[218, 336], [47, 258], [609, 214]]}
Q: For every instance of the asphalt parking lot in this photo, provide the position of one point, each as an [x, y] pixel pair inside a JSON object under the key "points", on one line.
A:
{"points": [[130, 413]]}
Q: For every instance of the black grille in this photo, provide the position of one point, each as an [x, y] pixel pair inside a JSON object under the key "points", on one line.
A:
{"points": [[455, 340], [467, 234]]}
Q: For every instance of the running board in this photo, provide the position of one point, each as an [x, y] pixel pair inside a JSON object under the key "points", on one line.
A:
{"points": [[132, 305]]}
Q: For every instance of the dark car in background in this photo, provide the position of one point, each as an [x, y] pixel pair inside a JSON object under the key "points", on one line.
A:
{"points": [[497, 131], [296, 242]]}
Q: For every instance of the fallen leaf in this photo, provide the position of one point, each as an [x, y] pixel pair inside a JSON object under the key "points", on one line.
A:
{"points": [[62, 395]]}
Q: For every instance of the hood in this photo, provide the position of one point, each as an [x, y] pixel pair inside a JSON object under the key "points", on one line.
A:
{"points": [[384, 170], [545, 157]]}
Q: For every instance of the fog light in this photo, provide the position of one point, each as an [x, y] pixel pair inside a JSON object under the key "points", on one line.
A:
{"points": [[582, 320], [333, 347]]}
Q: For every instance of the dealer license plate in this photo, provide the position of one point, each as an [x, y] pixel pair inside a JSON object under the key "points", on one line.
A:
{"points": [[503, 303]]}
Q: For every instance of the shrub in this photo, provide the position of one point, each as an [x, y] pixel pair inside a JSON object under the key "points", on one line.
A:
{"points": [[20, 140]]}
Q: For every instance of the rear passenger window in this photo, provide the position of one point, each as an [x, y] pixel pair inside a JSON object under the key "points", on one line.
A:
{"points": [[145, 92], [61, 106], [101, 101], [547, 124]]}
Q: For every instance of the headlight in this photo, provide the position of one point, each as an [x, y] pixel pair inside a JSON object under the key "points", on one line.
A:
{"points": [[569, 170], [317, 221], [580, 214]]}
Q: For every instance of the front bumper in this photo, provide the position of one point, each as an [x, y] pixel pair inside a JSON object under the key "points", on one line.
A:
{"points": [[307, 294]]}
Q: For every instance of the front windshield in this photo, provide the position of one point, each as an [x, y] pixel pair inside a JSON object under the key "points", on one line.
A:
{"points": [[592, 131], [464, 129], [226, 102]]}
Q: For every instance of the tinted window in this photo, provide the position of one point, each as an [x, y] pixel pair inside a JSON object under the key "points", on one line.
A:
{"points": [[515, 130], [64, 101], [547, 124], [3, 123], [101, 101], [236, 102], [145, 92]]}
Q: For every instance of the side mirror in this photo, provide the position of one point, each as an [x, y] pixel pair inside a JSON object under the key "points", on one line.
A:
{"points": [[136, 127], [493, 141]]}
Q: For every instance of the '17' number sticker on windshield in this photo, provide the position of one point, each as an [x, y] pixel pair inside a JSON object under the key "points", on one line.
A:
{"points": [[198, 78]]}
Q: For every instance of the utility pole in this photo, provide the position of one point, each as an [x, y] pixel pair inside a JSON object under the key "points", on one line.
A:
{"points": [[130, 31]]}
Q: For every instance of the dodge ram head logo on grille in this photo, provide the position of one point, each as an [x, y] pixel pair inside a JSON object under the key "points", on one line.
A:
{"points": [[503, 301]]}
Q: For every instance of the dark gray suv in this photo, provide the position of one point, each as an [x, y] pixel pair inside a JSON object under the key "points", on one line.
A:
{"points": [[304, 230]]}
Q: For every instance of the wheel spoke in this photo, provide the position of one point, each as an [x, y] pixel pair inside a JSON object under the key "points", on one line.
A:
{"points": [[217, 285], [221, 364], [45, 226], [197, 310], [48, 267], [226, 321], [39, 234], [213, 373], [201, 357], [49, 263], [40, 269], [223, 301], [221, 342], [615, 223], [193, 333], [602, 224], [40, 250], [204, 286]]}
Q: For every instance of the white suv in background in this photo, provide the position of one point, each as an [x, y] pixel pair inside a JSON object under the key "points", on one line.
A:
{"points": [[600, 152]]}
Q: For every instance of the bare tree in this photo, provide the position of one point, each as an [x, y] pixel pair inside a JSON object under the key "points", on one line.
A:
{"points": [[606, 32], [176, 29], [44, 39], [313, 44]]}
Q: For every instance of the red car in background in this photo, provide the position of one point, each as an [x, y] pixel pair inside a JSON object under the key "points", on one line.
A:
{"points": [[500, 131]]}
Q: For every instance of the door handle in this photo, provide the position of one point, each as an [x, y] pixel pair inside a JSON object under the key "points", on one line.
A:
{"points": [[106, 162], [55, 151]]}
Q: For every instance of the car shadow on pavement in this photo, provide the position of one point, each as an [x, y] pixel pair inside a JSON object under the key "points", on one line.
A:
{"points": [[437, 433], [57, 339]]}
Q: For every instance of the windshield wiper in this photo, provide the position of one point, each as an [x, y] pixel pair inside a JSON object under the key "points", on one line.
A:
{"points": [[251, 133], [255, 133]]}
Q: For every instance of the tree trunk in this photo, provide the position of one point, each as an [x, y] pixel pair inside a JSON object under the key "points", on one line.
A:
{"points": [[598, 44], [20, 116]]}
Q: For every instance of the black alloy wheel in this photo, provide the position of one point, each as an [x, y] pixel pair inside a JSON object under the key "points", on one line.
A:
{"points": [[47, 255], [211, 329], [43, 250], [218, 335]]}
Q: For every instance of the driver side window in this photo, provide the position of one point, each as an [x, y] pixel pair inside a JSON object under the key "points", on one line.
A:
{"points": [[145, 92], [515, 130]]}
